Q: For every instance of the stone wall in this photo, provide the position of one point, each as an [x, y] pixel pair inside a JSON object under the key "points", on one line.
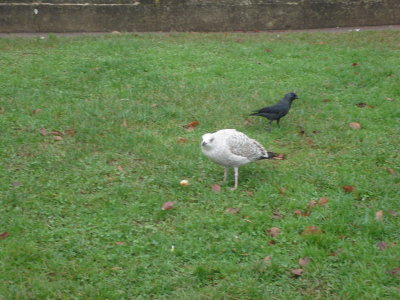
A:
{"points": [[192, 15]]}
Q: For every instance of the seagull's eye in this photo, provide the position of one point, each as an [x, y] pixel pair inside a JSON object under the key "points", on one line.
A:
{"points": [[211, 140]]}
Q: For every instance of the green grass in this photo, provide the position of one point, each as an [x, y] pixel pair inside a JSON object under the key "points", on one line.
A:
{"points": [[81, 227]]}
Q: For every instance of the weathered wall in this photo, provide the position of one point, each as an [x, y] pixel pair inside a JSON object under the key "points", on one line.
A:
{"points": [[192, 15]]}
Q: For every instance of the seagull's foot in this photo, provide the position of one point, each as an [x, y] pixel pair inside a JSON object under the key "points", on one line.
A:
{"points": [[233, 188]]}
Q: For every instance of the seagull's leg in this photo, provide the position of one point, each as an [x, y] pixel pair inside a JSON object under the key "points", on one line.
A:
{"points": [[236, 178], [225, 174]]}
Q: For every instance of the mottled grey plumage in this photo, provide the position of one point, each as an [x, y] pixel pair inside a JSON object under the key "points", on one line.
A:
{"points": [[231, 148], [278, 110]]}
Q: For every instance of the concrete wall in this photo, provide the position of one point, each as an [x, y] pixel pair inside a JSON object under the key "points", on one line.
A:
{"points": [[192, 15]]}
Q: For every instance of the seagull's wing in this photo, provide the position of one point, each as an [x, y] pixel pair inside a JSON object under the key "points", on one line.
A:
{"points": [[241, 145]]}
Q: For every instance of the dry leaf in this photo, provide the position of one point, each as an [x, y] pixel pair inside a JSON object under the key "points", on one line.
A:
{"points": [[267, 259], [184, 182], [355, 125], [271, 242], [326, 100], [116, 268], [379, 215], [124, 123], [348, 188], [267, 50], [37, 110], [280, 156], [43, 131], [381, 245], [336, 252], [273, 231], [56, 132], [312, 203], [282, 190], [168, 205], [393, 272], [4, 235], [154, 105], [119, 168], [322, 201], [390, 171], [216, 188], [389, 99], [120, 243], [70, 132], [354, 64], [57, 138], [393, 213], [296, 272], [16, 183], [190, 126], [304, 261], [311, 230], [232, 210], [276, 215], [181, 140], [361, 104]]}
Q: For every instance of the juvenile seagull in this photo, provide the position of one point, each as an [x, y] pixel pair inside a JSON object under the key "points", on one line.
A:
{"points": [[278, 110], [231, 148]]}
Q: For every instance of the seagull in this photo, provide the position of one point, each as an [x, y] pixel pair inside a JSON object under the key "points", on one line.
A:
{"points": [[232, 148], [278, 110]]}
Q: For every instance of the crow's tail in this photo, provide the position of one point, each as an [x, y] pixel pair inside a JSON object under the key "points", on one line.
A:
{"points": [[254, 114]]}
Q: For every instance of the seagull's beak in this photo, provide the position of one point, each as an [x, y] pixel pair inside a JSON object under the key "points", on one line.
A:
{"points": [[203, 143]]}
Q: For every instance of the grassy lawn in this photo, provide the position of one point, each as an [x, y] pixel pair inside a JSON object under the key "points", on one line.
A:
{"points": [[93, 143]]}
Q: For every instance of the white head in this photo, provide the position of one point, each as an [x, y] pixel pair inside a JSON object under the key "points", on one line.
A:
{"points": [[207, 141]]}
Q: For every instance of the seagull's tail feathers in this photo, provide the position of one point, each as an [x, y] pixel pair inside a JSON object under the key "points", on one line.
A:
{"points": [[269, 155]]}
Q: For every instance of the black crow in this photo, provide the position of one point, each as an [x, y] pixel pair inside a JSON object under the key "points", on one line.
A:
{"points": [[278, 110]]}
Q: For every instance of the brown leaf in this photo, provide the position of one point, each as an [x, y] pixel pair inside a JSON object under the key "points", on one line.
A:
{"points": [[393, 272], [119, 168], [116, 268], [4, 235], [181, 140], [355, 125], [389, 99], [280, 156], [267, 259], [190, 126], [232, 210], [312, 204], [154, 105], [348, 188], [322, 201], [296, 272], [336, 252], [302, 132], [276, 215], [271, 242], [273, 231], [56, 132], [37, 110], [267, 50], [216, 187], [168, 205], [298, 212], [326, 100], [381, 245], [390, 171], [282, 190], [184, 182], [379, 215], [124, 123], [120, 243], [354, 64], [393, 213], [304, 261], [70, 132], [310, 141], [361, 104], [311, 230], [43, 131], [57, 138]]}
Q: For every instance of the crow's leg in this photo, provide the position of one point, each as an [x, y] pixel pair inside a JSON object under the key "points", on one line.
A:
{"points": [[236, 178], [277, 122], [225, 174]]}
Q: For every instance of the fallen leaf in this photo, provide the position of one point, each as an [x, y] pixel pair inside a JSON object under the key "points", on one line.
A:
{"points": [[124, 123], [154, 105], [322, 201], [216, 187], [190, 126], [355, 125], [276, 215], [280, 157], [232, 210], [267, 50], [393, 213], [37, 110], [4, 235], [57, 138], [267, 259], [302, 132], [119, 168], [361, 104], [70, 132], [310, 141], [379, 215], [298, 212], [393, 272], [348, 188], [296, 272], [312, 203], [168, 205], [273, 231], [43, 131], [381, 245], [304, 261], [271, 242], [311, 230], [326, 100], [354, 64], [282, 190], [390, 171], [116, 268], [16, 183], [120, 243], [389, 99], [315, 131], [184, 182], [56, 132], [181, 140], [336, 252]]}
